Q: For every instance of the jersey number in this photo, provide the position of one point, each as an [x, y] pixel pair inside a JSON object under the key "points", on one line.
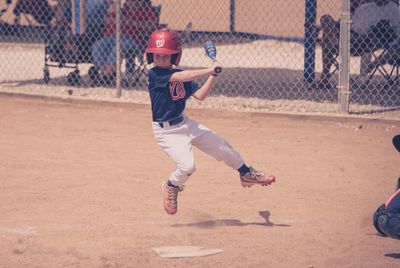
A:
{"points": [[177, 90]]}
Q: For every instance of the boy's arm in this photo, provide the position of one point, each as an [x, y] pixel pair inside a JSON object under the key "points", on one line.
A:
{"points": [[189, 75], [202, 93]]}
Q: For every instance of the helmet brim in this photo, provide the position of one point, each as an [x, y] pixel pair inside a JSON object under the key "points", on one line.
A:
{"points": [[161, 50]]}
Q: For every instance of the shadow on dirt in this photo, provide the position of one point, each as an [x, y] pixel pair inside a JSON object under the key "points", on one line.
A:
{"points": [[232, 222], [393, 255]]}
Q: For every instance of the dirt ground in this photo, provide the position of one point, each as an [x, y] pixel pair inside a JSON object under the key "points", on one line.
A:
{"points": [[80, 186]]}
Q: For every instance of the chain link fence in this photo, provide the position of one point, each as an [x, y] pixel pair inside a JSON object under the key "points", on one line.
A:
{"points": [[277, 56]]}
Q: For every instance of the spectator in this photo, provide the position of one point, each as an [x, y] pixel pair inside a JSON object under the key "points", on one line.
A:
{"points": [[95, 11], [138, 20], [95, 14], [374, 24], [64, 39]]}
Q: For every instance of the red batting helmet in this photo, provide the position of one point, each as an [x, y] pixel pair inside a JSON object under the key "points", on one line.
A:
{"points": [[164, 41]]}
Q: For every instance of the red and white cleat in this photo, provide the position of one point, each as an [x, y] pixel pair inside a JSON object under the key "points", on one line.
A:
{"points": [[171, 198], [254, 177]]}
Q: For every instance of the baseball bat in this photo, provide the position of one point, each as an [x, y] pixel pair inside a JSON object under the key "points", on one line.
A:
{"points": [[211, 52]]}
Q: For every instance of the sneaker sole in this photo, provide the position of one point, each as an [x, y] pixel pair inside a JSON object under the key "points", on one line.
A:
{"points": [[250, 183]]}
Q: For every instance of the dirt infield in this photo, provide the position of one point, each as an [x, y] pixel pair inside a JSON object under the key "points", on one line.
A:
{"points": [[81, 187]]}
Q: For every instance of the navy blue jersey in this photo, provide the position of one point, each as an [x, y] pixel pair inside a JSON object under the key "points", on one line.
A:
{"points": [[168, 98]]}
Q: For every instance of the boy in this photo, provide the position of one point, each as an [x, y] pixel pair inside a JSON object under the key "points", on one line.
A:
{"points": [[175, 132]]}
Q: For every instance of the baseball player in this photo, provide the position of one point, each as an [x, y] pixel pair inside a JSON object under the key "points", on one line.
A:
{"points": [[176, 133], [387, 217]]}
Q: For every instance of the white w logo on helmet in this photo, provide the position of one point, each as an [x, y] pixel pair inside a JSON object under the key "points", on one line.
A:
{"points": [[160, 42]]}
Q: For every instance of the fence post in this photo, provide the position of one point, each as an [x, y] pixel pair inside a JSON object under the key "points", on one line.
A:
{"points": [[344, 58], [310, 40], [78, 24], [232, 16], [118, 48]]}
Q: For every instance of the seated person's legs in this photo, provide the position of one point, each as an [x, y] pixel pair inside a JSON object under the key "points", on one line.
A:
{"points": [[130, 50], [102, 55], [105, 55]]}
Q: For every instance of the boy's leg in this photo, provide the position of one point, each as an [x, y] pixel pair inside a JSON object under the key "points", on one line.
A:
{"points": [[214, 145], [179, 149], [177, 145], [171, 198], [217, 147]]}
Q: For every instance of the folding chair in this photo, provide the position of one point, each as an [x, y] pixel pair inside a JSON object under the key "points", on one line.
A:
{"points": [[388, 69], [363, 45]]}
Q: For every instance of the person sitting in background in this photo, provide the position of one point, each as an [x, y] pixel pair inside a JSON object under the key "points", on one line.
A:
{"points": [[95, 11], [95, 15], [68, 45], [138, 19], [374, 24]]}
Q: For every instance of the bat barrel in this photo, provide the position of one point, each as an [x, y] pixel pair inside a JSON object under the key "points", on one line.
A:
{"points": [[211, 51]]}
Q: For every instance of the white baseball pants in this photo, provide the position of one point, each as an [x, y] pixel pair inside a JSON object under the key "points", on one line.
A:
{"points": [[177, 143]]}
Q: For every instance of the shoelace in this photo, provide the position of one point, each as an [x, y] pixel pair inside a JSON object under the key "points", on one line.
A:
{"points": [[255, 174], [173, 194]]}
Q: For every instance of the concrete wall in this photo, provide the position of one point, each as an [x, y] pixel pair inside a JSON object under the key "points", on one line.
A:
{"points": [[268, 17], [205, 15]]}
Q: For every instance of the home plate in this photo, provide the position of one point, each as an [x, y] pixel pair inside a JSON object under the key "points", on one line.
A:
{"points": [[185, 251]]}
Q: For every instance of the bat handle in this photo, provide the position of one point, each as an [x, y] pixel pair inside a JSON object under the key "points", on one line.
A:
{"points": [[217, 70]]}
